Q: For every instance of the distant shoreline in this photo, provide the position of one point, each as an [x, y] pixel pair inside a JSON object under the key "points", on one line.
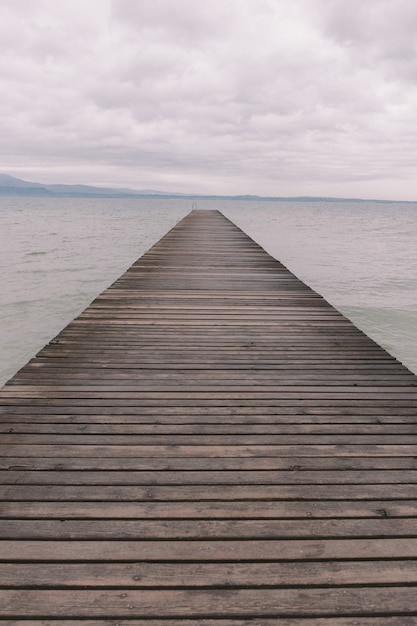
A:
{"points": [[46, 193], [11, 186]]}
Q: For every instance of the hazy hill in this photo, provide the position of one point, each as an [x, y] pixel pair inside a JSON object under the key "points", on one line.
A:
{"points": [[9, 185]]}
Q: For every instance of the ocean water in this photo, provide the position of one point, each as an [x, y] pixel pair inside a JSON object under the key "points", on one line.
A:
{"points": [[56, 255]]}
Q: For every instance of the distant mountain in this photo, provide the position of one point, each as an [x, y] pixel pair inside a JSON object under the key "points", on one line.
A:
{"points": [[9, 185], [10, 181]]}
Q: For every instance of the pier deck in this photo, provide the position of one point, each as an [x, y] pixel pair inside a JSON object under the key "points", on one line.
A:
{"points": [[210, 443]]}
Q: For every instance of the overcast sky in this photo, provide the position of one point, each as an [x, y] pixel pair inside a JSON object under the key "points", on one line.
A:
{"points": [[268, 97]]}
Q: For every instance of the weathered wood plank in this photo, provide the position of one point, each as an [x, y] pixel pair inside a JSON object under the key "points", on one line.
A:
{"points": [[210, 509], [210, 550], [307, 465], [194, 575], [399, 620], [260, 493], [207, 439], [235, 603], [64, 529], [338, 450], [204, 477], [207, 429]]}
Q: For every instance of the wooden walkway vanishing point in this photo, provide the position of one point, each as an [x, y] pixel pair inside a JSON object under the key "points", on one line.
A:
{"points": [[210, 443]]}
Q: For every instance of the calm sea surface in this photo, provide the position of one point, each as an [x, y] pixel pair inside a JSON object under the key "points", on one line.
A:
{"points": [[56, 255]]}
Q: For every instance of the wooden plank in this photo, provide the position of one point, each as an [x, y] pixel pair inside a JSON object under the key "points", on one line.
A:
{"points": [[207, 440], [209, 550], [307, 465], [210, 429], [399, 620], [382, 527], [207, 451], [210, 509], [245, 603], [203, 477], [194, 575], [196, 415], [259, 493]]}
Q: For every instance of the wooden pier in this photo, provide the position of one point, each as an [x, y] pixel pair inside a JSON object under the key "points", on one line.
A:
{"points": [[209, 443]]}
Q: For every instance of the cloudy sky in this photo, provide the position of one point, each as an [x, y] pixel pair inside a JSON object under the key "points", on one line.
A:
{"points": [[268, 97]]}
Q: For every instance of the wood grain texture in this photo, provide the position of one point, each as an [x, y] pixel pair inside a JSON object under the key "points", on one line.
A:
{"points": [[209, 443]]}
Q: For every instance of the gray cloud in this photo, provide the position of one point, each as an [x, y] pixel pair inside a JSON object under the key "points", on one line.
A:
{"points": [[233, 96]]}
